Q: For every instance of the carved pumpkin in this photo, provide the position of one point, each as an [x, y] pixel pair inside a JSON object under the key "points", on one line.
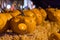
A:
{"points": [[17, 25], [23, 25]]}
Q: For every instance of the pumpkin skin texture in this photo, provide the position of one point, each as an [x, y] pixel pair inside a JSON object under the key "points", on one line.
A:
{"points": [[4, 18], [57, 16], [28, 24], [31, 24], [15, 13], [43, 13], [38, 16], [57, 35], [54, 15], [17, 26], [30, 20], [51, 9], [3, 21], [9, 16], [28, 13], [50, 13]]}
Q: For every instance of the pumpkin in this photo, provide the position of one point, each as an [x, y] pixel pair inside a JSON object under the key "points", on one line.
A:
{"points": [[22, 24], [54, 15], [38, 16], [43, 13], [3, 21], [9, 16], [15, 13], [50, 9], [28, 13], [17, 25], [31, 24], [57, 35]]}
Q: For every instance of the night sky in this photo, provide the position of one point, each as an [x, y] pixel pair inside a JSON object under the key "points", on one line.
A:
{"points": [[45, 3]]}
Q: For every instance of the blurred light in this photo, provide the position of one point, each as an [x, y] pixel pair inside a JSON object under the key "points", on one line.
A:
{"points": [[33, 6], [0, 10], [28, 4], [25, 3], [21, 6], [4, 4], [8, 6]]}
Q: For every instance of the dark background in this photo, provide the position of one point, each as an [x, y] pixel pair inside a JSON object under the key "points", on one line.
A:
{"points": [[46, 3], [42, 3]]}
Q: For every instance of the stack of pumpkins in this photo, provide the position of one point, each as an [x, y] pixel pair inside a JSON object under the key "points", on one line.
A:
{"points": [[22, 23], [27, 22], [5, 18]]}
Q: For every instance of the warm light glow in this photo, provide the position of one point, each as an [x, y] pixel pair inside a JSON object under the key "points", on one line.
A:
{"points": [[8, 6]]}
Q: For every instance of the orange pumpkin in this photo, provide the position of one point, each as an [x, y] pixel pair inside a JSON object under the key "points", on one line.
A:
{"points": [[28, 13], [23, 26], [38, 16], [15, 13], [43, 13], [31, 24], [53, 14], [3, 21], [57, 35], [17, 25]]}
